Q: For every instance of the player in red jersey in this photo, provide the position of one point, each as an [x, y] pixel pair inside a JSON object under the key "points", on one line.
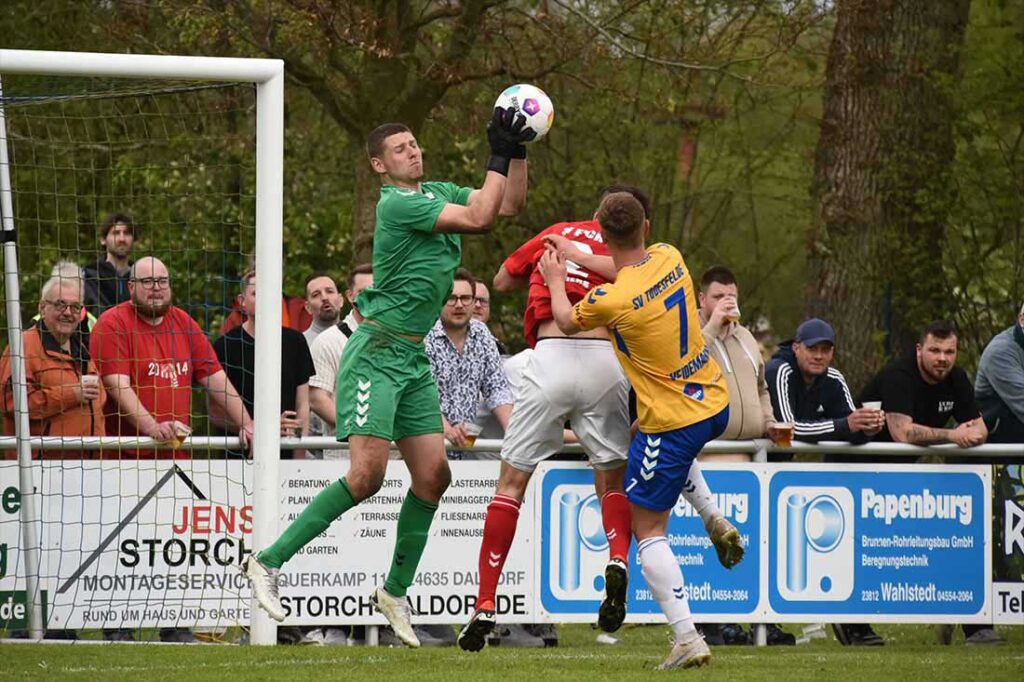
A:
{"points": [[575, 379]]}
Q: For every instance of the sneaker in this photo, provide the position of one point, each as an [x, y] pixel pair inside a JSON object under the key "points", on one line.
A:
{"points": [[516, 636], [985, 636], [856, 634], [264, 586], [613, 609], [726, 540], [211, 635], [311, 636], [335, 637], [435, 635], [690, 652], [474, 635], [545, 631], [779, 637], [399, 614]]}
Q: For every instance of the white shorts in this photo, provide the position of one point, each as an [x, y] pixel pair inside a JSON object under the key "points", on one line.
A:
{"points": [[575, 380]]}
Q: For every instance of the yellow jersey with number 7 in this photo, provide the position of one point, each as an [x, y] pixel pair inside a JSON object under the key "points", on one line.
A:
{"points": [[651, 312]]}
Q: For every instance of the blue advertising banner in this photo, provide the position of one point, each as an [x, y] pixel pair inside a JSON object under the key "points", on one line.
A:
{"points": [[901, 543], [574, 550]]}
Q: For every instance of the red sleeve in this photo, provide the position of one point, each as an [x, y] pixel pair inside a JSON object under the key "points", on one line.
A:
{"points": [[522, 260], [110, 345], [204, 358]]}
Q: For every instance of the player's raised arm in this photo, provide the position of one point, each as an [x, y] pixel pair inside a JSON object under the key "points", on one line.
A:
{"points": [[552, 267], [506, 171], [514, 200]]}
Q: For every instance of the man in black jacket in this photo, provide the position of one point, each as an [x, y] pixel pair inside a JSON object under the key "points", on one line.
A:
{"points": [[812, 395], [106, 280]]}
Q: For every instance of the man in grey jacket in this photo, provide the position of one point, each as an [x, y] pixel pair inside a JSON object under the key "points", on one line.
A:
{"points": [[999, 386]]}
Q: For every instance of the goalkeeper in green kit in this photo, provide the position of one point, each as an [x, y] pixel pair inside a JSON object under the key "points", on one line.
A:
{"points": [[385, 387]]}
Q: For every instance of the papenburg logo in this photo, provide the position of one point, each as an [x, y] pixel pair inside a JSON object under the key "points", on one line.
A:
{"points": [[578, 550], [815, 543]]}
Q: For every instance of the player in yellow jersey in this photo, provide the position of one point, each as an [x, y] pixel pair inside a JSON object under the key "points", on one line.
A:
{"points": [[682, 400]]}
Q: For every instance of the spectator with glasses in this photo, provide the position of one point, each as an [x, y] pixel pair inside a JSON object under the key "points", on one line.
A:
{"points": [[149, 352], [65, 397], [466, 364], [482, 304]]}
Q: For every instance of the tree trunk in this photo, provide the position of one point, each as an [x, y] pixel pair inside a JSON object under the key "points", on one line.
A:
{"points": [[882, 183], [364, 206]]}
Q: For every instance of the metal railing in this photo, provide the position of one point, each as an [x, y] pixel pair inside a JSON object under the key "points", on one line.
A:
{"points": [[759, 448]]}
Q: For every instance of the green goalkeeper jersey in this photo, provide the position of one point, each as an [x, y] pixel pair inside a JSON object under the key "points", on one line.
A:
{"points": [[413, 266]]}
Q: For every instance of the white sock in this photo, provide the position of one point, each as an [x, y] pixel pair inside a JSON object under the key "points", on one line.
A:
{"points": [[698, 494], [664, 577]]}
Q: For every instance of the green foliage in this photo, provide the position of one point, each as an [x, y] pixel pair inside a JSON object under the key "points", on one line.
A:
{"points": [[179, 159], [711, 107], [985, 256]]}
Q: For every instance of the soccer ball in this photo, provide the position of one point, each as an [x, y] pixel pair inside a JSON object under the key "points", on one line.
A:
{"points": [[531, 102]]}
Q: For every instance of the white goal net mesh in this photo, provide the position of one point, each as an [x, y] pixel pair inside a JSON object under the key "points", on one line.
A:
{"points": [[134, 542]]}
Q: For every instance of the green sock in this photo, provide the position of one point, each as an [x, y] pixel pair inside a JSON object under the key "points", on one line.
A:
{"points": [[332, 502], [413, 528]]}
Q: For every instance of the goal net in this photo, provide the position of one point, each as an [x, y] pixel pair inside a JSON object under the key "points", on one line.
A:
{"points": [[124, 540]]}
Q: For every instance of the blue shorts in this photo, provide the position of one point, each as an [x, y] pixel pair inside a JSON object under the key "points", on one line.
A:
{"points": [[660, 462]]}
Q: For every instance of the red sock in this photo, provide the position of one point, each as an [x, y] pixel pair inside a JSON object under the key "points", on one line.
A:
{"points": [[499, 530], [617, 521]]}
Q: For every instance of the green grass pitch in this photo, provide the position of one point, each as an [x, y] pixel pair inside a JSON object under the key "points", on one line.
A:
{"points": [[910, 654]]}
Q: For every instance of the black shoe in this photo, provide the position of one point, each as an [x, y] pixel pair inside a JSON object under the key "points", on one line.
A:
{"points": [[712, 634], [613, 609], [177, 636], [779, 637], [118, 635], [545, 631], [47, 634], [734, 634], [474, 635], [287, 635], [856, 634]]}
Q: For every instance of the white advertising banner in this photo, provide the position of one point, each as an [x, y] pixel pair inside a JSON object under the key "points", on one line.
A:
{"points": [[159, 543], [330, 581]]}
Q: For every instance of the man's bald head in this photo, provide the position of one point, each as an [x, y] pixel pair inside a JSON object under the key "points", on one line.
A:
{"points": [[150, 288]]}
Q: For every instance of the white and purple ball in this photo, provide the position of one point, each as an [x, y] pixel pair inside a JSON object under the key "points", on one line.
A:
{"points": [[531, 102]]}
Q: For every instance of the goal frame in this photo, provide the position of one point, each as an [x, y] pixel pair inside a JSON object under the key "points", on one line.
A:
{"points": [[268, 77]]}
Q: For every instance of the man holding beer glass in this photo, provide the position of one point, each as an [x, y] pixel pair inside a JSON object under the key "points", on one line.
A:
{"points": [[810, 398]]}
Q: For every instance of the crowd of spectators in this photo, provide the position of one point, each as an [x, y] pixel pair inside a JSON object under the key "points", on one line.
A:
{"points": [[110, 354]]}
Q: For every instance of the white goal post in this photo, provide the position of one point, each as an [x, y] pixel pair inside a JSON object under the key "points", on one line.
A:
{"points": [[268, 77]]}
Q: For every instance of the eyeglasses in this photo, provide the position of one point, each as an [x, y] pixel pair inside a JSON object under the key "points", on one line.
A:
{"points": [[151, 282], [466, 299], [483, 302], [61, 306]]}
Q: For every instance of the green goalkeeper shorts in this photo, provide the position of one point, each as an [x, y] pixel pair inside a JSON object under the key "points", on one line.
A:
{"points": [[385, 387]]}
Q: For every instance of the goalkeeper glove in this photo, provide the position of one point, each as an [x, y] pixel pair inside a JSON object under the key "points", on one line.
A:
{"points": [[506, 133]]}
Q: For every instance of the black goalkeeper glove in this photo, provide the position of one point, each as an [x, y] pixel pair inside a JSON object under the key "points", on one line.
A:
{"points": [[507, 133]]}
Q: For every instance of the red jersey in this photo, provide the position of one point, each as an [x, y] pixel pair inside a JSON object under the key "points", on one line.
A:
{"points": [[586, 235], [162, 362]]}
